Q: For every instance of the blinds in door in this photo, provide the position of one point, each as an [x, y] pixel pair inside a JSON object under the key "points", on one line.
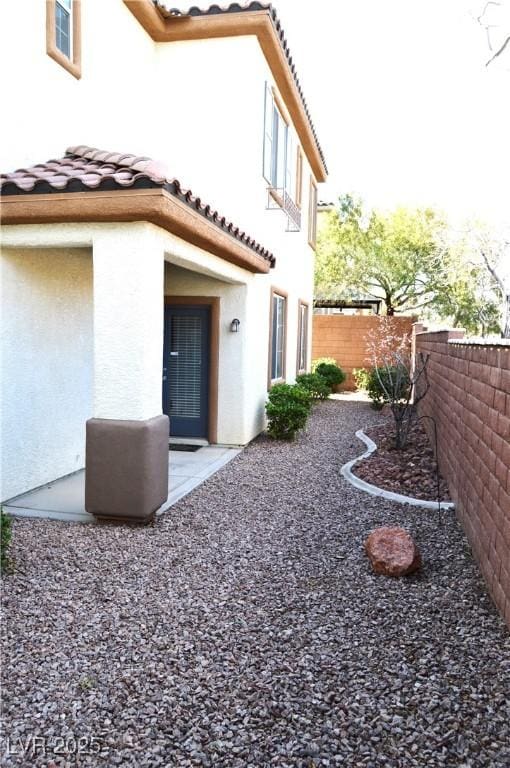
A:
{"points": [[186, 366]]}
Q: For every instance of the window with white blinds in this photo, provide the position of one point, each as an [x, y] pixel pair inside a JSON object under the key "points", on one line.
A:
{"points": [[303, 338], [278, 331], [186, 367]]}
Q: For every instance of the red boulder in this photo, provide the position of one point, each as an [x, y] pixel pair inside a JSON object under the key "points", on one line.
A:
{"points": [[392, 552]]}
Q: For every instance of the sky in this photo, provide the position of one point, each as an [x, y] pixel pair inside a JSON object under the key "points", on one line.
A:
{"points": [[405, 109]]}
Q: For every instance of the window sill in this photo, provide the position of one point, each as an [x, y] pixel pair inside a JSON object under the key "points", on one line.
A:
{"points": [[276, 197], [60, 58], [280, 200]]}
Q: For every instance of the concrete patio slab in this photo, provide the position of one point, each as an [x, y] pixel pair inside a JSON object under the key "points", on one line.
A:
{"points": [[64, 499]]}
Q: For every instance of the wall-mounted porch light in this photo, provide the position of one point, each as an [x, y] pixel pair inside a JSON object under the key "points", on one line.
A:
{"points": [[234, 325]]}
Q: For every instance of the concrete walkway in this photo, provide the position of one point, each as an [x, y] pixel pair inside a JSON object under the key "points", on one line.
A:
{"points": [[64, 499]]}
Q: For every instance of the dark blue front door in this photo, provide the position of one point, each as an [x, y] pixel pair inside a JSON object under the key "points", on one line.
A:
{"points": [[186, 369]]}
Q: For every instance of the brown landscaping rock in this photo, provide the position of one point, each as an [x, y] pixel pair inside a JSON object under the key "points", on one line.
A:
{"points": [[392, 552], [410, 471]]}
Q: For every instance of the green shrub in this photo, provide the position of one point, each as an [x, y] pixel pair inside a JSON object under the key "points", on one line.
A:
{"points": [[361, 377], [331, 372], [5, 539], [315, 384], [287, 410], [393, 380], [320, 361]]}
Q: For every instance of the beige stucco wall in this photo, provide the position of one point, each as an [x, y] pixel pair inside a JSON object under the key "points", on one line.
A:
{"points": [[128, 265], [232, 401], [207, 126], [108, 107], [48, 309], [243, 356], [189, 271], [46, 355]]}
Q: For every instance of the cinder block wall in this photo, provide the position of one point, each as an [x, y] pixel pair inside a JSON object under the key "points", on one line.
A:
{"points": [[345, 338], [469, 398]]}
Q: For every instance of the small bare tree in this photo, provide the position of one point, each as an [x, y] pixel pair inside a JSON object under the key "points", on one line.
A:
{"points": [[403, 382], [495, 20], [484, 252], [491, 248], [502, 287], [404, 386]]}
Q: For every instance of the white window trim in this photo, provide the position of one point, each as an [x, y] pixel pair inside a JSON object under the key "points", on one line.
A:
{"points": [[312, 213], [302, 349], [73, 63], [274, 346]]}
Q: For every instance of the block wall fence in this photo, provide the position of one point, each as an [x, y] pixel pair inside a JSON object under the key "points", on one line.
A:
{"points": [[345, 338], [469, 398]]}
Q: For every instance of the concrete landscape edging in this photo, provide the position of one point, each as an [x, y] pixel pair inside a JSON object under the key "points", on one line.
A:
{"points": [[374, 490]]}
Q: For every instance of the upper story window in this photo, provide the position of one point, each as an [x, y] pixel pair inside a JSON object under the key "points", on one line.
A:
{"points": [[276, 137], [63, 34], [280, 160], [312, 214], [299, 177], [63, 26]]}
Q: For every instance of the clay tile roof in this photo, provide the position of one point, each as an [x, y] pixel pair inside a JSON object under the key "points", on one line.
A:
{"points": [[85, 169], [213, 10]]}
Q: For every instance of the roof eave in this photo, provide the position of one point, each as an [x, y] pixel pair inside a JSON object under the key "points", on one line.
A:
{"points": [[257, 23], [155, 206]]}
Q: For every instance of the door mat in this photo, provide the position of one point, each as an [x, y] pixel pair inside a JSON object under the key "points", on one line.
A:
{"points": [[184, 447]]}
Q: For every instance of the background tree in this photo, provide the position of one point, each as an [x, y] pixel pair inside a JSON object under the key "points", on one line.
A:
{"points": [[494, 252], [398, 257], [470, 301], [494, 18]]}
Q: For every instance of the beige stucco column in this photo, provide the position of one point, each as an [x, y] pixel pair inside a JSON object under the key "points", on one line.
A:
{"points": [[128, 263], [127, 440]]}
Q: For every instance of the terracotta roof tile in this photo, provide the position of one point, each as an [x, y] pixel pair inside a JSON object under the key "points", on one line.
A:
{"points": [[213, 10], [87, 169]]}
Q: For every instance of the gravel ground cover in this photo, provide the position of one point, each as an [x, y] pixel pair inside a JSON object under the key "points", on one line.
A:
{"points": [[245, 628], [410, 471]]}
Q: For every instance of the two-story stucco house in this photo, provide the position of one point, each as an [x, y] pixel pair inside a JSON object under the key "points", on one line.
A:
{"points": [[131, 306]]}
